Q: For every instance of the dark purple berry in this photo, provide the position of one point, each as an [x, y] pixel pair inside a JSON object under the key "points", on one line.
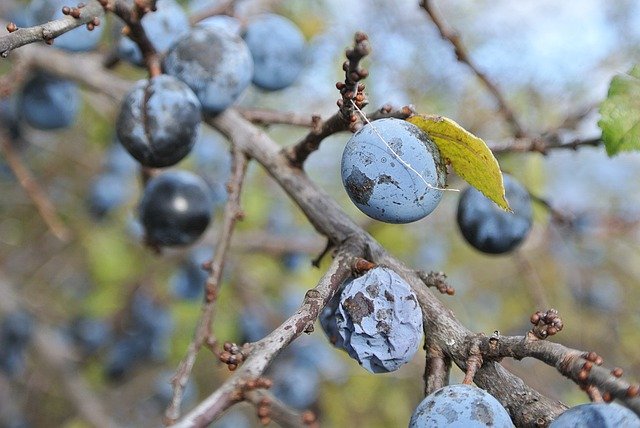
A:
{"points": [[175, 208]]}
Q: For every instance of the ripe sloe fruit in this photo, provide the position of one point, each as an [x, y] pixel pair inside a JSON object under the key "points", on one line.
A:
{"points": [[490, 229], [277, 46], [597, 415], [460, 406], [47, 102], [175, 208], [216, 65], [378, 321], [159, 121], [392, 171], [222, 23]]}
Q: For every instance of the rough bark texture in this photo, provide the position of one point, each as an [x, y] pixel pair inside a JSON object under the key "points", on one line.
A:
{"points": [[526, 406]]}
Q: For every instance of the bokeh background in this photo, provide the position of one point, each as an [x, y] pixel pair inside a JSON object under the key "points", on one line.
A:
{"points": [[552, 60]]}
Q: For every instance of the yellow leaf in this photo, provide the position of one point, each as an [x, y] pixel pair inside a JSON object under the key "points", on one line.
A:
{"points": [[468, 155]]}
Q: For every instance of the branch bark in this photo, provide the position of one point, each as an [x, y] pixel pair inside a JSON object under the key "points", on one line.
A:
{"points": [[526, 406], [49, 30], [569, 362], [265, 350]]}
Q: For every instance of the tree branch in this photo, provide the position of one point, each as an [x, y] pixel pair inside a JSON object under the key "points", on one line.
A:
{"points": [[132, 17], [541, 144], [264, 351], [272, 117], [50, 30], [437, 367], [579, 366], [84, 68], [525, 405]]}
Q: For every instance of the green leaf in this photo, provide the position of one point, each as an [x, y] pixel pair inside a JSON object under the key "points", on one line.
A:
{"points": [[468, 155], [620, 111]]}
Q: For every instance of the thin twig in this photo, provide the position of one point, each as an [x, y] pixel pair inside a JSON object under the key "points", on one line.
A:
{"points": [[132, 17], [557, 215], [299, 152], [594, 394], [85, 68], [203, 334], [474, 362], [437, 366], [45, 207], [47, 32], [264, 351], [351, 91], [461, 54], [541, 144], [272, 117], [437, 280]]}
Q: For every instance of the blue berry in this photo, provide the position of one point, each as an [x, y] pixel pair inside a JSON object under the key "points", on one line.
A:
{"points": [[77, 40], [460, 406], [379, 320], [159, 121], [597, 415], [392, 171], [490, 229], [175, 208], [89, 334], [162, 27], [107, 193], [145, 336], [217, 65], [16, 330], [277, 46], [47, 102], [123, 356]]}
